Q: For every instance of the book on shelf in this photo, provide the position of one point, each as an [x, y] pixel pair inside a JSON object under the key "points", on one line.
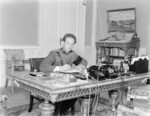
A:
{"points": [[111, 51], [121, 53], [102, 51], [115, 52], [116, 62]]}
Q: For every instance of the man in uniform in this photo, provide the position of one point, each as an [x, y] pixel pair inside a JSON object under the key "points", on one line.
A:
{"points": [[63, 58], [60, 60]]}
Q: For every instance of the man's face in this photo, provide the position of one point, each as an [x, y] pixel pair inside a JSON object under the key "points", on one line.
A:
{"points": [[68, 44]]}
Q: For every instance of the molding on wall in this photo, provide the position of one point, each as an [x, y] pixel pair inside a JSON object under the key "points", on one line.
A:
{"points": [[66, 16], [90, 51], [58, 22], [17, 47], [90, 55], [94, 20], [42, 25], [80, 29]]}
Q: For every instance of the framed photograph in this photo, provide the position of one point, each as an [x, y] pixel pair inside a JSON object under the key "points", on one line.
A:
{"points": [[122, 20]]}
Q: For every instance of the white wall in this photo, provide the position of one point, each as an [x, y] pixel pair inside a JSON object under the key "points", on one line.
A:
{"points": [[55, 18], [90, 31], [142, 17], [17, 20], [143, 21], [103, 6], [15, 30]]}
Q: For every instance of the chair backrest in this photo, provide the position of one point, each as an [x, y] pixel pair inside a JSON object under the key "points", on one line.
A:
{"points": [[14, 59], [35, 64]]}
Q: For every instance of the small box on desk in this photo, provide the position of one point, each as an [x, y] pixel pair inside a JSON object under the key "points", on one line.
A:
{"points": [[139, 64]]}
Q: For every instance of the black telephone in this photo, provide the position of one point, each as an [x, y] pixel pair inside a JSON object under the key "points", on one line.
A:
{"points": [[95, 73], [101, 73], [134, 36]]}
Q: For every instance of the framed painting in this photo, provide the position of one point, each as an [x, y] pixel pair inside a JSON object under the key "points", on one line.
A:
{"points": [[122, 20]]}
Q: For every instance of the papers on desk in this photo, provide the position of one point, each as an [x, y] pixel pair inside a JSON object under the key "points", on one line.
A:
{"points": [[39, 74], [72, 71], [57, 80], [62, 84], [64, 81]]}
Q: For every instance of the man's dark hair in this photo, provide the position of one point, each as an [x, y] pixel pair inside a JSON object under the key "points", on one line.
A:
{"points": [[70, 36]]}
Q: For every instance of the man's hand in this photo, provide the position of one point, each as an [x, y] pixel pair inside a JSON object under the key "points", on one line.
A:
{"points": [[65, 67], [80, 67]]}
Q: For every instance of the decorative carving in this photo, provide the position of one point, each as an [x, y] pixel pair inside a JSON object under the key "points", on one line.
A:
{"points": [[113, 100], [14, 62], [68, 93], [86, 106], [15, 56], [54, 97], [46, 109]]}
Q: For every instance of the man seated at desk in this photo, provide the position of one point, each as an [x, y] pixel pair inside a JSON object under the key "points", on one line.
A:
{"points": [[60, 60]]}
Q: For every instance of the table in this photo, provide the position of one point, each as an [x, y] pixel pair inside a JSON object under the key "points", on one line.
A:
{"points": [[52, 90]]}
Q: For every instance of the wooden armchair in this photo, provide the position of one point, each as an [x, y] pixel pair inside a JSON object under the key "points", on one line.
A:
{"points": [[14, 59]]}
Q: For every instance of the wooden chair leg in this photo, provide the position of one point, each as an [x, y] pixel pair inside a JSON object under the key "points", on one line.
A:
{"points": [[12, 86], [73, 109], [31, 103], [6, 84]]}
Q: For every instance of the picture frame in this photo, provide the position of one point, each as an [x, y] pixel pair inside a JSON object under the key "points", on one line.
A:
{"points": [[122, 20]]}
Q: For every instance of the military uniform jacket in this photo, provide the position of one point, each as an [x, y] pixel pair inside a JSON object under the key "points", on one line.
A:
{"points": [[58, 58]]}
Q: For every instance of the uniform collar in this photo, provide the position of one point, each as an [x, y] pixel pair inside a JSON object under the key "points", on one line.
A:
{"points": [[64, 52]]}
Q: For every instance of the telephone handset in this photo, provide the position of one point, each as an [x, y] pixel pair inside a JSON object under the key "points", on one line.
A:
{"points": [[134, 36], [95, 73], [102, 73]]}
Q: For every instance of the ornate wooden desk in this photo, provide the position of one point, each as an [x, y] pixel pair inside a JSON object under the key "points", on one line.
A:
{"points": [[52, 90]]}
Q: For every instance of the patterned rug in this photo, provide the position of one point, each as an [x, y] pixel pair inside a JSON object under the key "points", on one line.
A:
{"points": [[101, 111], [35, 112], [17, 111]]}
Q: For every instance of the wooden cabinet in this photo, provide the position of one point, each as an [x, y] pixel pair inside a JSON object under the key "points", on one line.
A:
{"points": [[117, 49]]}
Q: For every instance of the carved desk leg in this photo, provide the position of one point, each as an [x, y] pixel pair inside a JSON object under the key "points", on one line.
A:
{"points": [[117, 97], [129, 99], [46, 108], [114, 101], [85, 107], [122, 96], [12, 86]]}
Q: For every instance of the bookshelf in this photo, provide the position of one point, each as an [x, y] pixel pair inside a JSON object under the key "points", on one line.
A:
{"points": [[117, 49], [122, 38]]}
